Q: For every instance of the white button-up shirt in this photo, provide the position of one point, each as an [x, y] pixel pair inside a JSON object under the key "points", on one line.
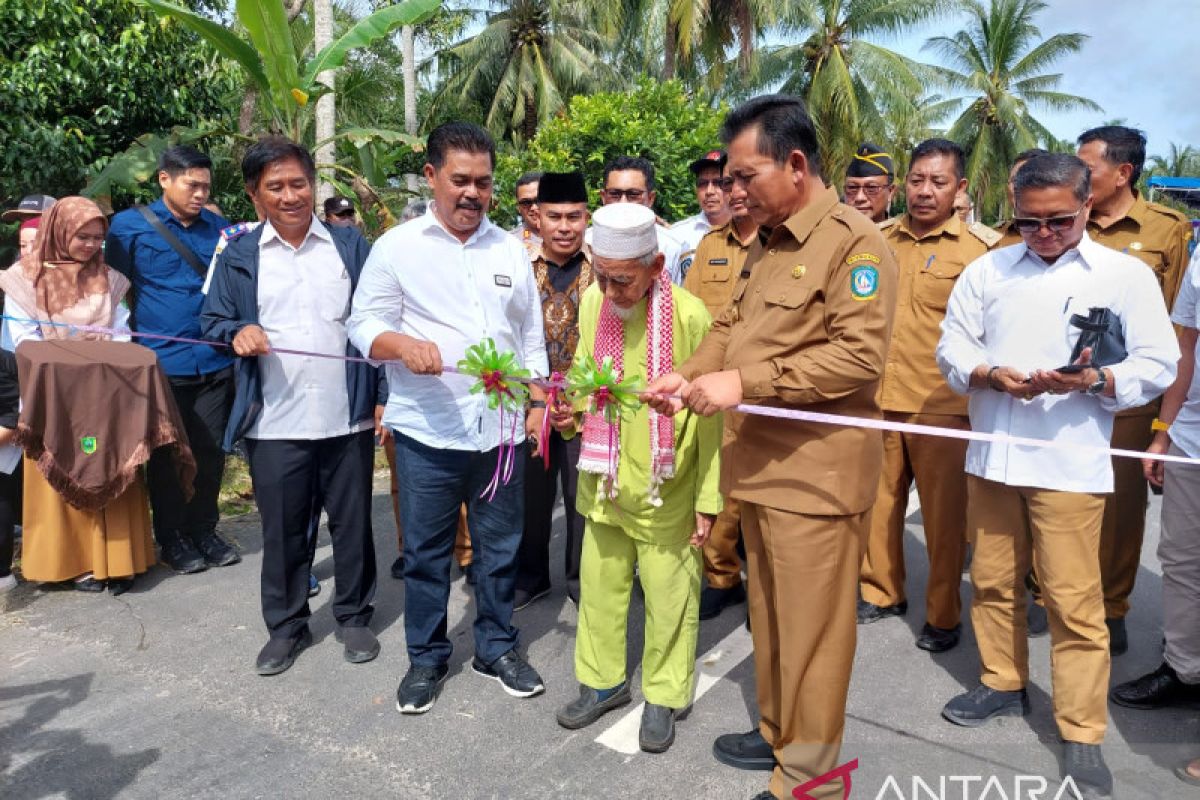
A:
{"points": [[1185, 430], [688, 232], [1011, 308], [420, 280], [303, 303]]}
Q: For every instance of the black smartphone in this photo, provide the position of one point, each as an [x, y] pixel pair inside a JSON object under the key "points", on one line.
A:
{"points": [[1071, 369]]}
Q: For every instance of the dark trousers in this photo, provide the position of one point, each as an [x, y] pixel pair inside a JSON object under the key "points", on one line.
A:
{"points": [[434, 483], [541, 489], [204, 402], [293, 480], [10, 516]]}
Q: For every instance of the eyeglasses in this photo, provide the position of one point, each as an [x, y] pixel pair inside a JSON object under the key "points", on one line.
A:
{"points": [[724, 184], [345, 214], [869, 189], [526, 203], [632, 195], [1056, 224]]}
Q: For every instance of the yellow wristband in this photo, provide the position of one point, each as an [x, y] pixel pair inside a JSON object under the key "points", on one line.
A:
{"points": [[1159, 425]]}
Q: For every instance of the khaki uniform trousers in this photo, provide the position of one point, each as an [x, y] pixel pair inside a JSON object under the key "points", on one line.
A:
{"points": [[1124, 523], [1059, 533], [802, 589], [722, 565], [936, 464], [462, 541]]}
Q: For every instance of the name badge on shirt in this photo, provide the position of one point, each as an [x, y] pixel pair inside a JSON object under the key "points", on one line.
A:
{"points": [[718, 261], [503, 280]]}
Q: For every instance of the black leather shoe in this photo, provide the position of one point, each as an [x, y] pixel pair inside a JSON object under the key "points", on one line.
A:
{"points": [[748, 751], [117, 586], [88, 584], [938, 640], [278, 655], [1118, 640], [589, 706], [178, 553], [984, 703], [216, 551], [514, 673], [420, 688], [1084, 764], [469, 574], [869, 612], [1036, 620], [714, 601], [1159, 689], [763, 796], [398, 568], [361, 644], [657, 733], [523, 598]]}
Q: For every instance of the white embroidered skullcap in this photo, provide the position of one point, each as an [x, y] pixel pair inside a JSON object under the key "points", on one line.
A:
{"points": [[623, 231]]}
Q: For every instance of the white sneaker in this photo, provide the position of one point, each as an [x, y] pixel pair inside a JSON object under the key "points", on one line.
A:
{"points": [[7, 582]]}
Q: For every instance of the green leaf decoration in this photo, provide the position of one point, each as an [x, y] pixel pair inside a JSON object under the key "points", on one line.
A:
{"points": [[598, 385], [496, 372]]}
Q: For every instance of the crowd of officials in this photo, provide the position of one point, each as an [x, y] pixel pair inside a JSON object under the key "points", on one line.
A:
{"points": [[791, 289]]}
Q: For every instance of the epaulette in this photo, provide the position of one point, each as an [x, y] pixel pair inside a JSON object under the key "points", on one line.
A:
{"points": [[234, 231], [888, 223], [985, 234], [1172, 214]]}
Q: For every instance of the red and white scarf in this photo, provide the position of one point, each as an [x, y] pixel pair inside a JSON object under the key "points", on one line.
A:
{"points": [[600, 451]]}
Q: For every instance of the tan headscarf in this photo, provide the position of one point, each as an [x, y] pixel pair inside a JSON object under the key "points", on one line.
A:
{"points": [[52, 286]]}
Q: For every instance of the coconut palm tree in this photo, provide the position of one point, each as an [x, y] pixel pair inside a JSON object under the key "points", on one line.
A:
{"points": [[1179, 162], [912, 123], [848, 79], [525, 64], [1001, 60]]}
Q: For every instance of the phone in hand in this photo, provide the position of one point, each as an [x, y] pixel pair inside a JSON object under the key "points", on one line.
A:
{"points": [[1073, 369]]}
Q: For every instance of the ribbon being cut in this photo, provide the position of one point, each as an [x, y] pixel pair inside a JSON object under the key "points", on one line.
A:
{"points": [[504, 383]]}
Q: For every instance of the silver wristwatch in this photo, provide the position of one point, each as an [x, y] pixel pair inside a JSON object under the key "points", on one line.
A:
{"points": [[1101, 382]]}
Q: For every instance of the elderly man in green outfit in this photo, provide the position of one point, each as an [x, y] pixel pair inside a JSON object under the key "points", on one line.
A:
{"points": [[651, 503]]}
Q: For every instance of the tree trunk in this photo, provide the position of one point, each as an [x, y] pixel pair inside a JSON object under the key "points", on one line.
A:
{"points": [[408, 54], [671, 46], [326, 109]]}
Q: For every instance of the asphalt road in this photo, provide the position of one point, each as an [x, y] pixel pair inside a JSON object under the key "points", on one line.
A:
{"points": [[152, 695]]}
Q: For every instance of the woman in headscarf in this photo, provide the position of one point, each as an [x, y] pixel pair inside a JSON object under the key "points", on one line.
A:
{"points": [[54, 292]]}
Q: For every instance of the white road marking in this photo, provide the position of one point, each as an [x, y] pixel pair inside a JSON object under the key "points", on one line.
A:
{"points": [[914, 504], [622, 735]]}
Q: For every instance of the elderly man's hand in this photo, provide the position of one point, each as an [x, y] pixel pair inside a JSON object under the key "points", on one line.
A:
{"points": [[251, 341], [704, 523], [714, 392], [663, 393]]}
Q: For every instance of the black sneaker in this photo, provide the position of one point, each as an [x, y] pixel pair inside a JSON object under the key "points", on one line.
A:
{"points": [[420, 688], [361, 644], [938, 640], [1118, 640], [1036, 620], [469, 573], [1084, 764], [748, 751], [1159, 689], [216, 551], [657, 732], [278, 655], [869, 612], [514, 673], [591, 705], [398, 568], [713, 601], [178, 553], [984, 703], [522, 598]]}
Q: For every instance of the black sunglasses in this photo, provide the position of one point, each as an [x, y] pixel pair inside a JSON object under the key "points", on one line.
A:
{"points": [[526, 203], [1057, 224]]}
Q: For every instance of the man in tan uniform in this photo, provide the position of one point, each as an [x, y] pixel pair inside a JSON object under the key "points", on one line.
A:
{"points": [[870, 182], [718, 266], [1158, 236], [808, 330], [932, 246]]}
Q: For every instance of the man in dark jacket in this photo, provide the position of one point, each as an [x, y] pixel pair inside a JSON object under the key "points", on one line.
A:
{"points": [[308, 421]]}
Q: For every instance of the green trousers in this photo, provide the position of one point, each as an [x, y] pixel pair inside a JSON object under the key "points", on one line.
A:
{"points": [[670, 578]]}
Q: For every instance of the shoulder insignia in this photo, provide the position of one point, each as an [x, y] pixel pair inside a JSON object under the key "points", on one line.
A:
{"points": [[888, 223], [859, 258], [234, 231], [985, 234], [1166, 211]]}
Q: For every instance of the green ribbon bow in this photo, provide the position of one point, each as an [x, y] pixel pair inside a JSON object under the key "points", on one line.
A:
{"points": [[496, 372], [598, 384]]}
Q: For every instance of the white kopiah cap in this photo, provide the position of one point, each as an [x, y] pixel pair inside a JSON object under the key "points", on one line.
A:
{"points": [[623, 231]]}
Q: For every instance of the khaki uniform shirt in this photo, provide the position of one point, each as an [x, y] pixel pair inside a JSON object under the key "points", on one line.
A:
{"points": [[1154, 234], [716, 268], [807, 329], [1008, 235], [929, 267]]}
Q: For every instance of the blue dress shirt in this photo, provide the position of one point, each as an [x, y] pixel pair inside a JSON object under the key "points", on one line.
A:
{"points": [[168, 291]]}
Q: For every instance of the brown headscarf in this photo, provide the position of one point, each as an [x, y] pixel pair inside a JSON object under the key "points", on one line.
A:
{"points": [[52, 286]]}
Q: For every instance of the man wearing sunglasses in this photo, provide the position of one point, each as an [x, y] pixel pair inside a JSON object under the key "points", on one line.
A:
{"points": [[869, 183], [712, 194], [339, 212], [1006, 343], [1158, 237], [932, 245], [529, 230], [630, 179]]}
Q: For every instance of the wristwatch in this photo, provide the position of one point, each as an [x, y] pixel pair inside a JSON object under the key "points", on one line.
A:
{"points": [[1100, 384]]}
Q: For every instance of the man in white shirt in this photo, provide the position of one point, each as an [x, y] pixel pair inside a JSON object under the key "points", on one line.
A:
{"points": [[432, 288], [712, 193], [308, 421], [1177, 432], [630, 179], [1005, 340]]}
